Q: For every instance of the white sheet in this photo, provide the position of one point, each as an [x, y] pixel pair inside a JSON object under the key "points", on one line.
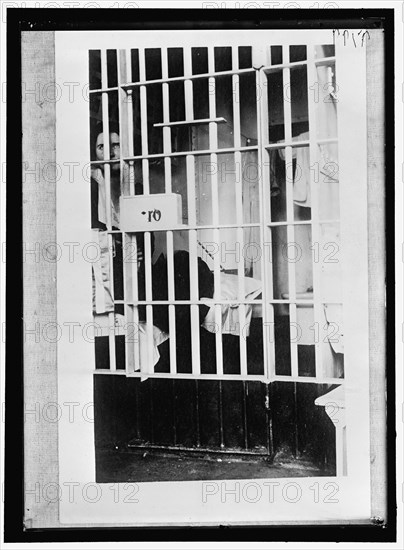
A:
{"points": [[158, 338], [230, 320], [102, 328], [230, 312]]}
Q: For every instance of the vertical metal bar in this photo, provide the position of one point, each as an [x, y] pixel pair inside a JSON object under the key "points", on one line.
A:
{"points": [[123, 137], [193, 251], [188, 86], [143, 121], [169, 234], [213, 144], [239, 213], [130, 123], [245, 421], [315, 225], [124, 132], [171, 296], [269, 432], [137, 386], [151, 412], [146, 190], [221, 430], [166, 119], [267, 405], [197, 423], [265, 232], [108, 216], [190, 162], [129, 247], [135, 297], [193, 266], [321, 389], [174, 411], [149, 299], [289, 210], [129, 320], [105, 124], [296, 419], [129, 243], [268, 56]]}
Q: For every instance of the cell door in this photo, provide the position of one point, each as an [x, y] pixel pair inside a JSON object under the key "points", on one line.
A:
{"points": [[220, 219], [188, 128], [242, 143]]}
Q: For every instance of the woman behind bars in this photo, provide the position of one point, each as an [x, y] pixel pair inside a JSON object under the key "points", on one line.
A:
{"points": [[103, 301]]}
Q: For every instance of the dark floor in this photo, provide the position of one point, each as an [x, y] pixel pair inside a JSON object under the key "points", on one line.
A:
{"points": [[141, 466]]}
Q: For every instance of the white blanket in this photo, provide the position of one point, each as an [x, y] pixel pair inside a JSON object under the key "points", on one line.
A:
{"points": [[229, 290]]}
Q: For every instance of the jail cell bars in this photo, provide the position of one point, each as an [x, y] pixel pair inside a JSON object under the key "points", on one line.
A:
{"points": [[184, 115], [301, 212]]}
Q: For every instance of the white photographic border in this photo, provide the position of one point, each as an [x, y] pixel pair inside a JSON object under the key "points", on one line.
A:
{"points": [[197, 502]]}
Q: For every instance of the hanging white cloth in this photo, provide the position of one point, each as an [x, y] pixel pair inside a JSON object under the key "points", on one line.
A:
{"points": [[98, 176], [102, 327], [301, 177], [229, 285], [102, 294]]}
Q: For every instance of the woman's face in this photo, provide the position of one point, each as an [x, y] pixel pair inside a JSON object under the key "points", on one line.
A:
{"points": [[114, 148]]}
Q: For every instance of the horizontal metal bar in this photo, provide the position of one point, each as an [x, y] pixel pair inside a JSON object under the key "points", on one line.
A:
{"points": [[307, 379], [179, 448], [229, 302], [194, 153], [197, 227], [303, 302], [189, 122], [278, 68], [283, 144], [248, 377], [194, 302], [325, 61], [187, 77], [185, 376], [300, 222], [190, 227], [267, 69], [102, 90], [222, 226], [231, 226], [295, 144], [119, 372], [296, 64], [287, 301], [111, 161], [256, 302]]}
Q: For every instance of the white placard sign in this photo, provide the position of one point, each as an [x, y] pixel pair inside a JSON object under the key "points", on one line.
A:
{"points": [[151, 212]]}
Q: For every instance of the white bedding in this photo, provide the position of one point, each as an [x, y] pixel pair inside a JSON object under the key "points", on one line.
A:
{"points": [[230, 319], [230, 312], [102, 328]]}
